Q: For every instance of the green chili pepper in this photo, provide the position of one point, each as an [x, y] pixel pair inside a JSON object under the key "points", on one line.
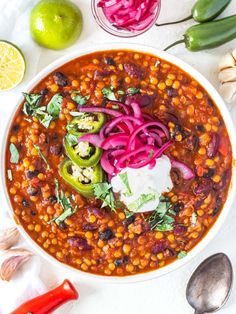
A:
{"points": [[207, 10], [83, 154], [204, 11], [86, 123], [81, 179], [209, 35]]}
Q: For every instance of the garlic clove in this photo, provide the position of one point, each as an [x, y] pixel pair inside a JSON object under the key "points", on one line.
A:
{"points": [[11, 261], [228, 75], [233, 53], [227, 61], [228, 91], [8, 237]]}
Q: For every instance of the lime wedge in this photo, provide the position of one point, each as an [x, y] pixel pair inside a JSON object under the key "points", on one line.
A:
{"points": [[12, 66]]}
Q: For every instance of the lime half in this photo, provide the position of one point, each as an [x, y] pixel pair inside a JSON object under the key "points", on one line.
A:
{"points": [[12, 66]]}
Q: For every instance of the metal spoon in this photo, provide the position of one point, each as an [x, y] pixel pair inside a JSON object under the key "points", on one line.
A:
{"points": [[210, 285]]}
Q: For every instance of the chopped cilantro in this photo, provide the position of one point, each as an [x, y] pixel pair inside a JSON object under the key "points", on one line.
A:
{"points": [[42, 156], [14, 154], [128, 214], [65, 203], [124, 178], [120, 92], [57, 190], [160, 219], [108, 93], [133, 90], [166, 224], [143, 199], [80, 100], [46, 120], [54, 105], [182, 254], [32, 103], [172, 212], [103, 191], [71, 139], [78, 114], [45, 114]]}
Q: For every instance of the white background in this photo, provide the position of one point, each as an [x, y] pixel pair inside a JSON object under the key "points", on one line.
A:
{"points": [[164, 295]]}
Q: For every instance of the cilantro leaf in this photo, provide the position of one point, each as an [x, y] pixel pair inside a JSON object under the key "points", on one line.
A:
{"points": [[46, 120], [160, 219], [71, 139], [166, 224], [124, 178], [143, 199], [65, 203], [101, 188], [80, 100], [120, 92], [14, 154], [108, 93], [42, 155], [54, 105], [32, 102], [133, 90], [128, 214], [163, 206], [45, 114], [57, 190], [182, 254], [103, 191], [78, 114], [67, 207]]}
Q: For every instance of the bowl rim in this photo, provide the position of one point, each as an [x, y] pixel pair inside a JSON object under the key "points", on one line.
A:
{"points": [[232, 135], [107, 27]]}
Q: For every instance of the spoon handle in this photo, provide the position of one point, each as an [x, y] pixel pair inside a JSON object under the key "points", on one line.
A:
{"points": [[198, 312]]}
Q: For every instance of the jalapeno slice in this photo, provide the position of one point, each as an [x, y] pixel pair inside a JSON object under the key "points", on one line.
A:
{"points": [[83, 154], [81, 179], [86, 123]]}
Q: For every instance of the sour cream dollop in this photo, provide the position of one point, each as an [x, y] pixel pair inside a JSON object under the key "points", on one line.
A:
{"points": [[140, 189]]}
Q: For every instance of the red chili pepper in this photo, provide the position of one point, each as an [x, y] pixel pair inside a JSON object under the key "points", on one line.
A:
{"points": [[50, 301]]}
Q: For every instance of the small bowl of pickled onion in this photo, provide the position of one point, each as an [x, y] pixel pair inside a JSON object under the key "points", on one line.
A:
{"points": [[126, 18]]}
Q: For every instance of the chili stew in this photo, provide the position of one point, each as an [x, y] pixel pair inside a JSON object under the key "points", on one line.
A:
{"points": [[94, 232]]}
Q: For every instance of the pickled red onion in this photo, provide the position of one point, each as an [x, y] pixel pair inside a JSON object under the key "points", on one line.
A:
{"points": [[129, 14], [134, 140]]}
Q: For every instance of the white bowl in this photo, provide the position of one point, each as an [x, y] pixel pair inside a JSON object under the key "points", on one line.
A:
{"points": [[232, 190]]}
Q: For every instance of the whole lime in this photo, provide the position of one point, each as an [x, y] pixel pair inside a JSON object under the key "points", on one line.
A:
{"points": [[55, 24]]}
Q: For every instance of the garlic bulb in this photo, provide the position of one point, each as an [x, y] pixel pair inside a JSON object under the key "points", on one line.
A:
{"points": [[11, 261], [227, 76], [8, 237]]}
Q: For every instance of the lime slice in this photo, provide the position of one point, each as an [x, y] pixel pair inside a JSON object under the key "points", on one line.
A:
{"points": [[12, 66]]}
